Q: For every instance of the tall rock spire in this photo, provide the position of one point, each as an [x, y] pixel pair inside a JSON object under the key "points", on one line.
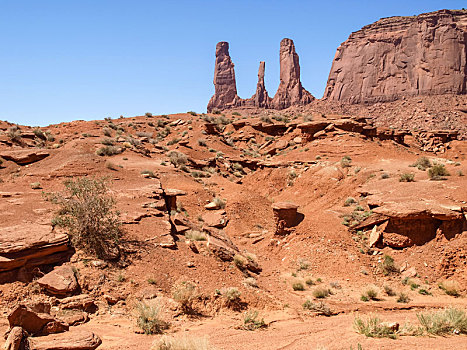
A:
{"points": [[261, 98], [225, 94], [290, 91]]}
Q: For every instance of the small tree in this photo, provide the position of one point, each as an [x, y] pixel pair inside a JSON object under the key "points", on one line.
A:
{"points": [[87, 210]]}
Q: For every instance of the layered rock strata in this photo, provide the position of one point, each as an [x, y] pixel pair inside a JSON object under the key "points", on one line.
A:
{"points": [[402, 56]]}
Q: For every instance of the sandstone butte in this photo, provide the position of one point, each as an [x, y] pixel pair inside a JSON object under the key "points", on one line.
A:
{"points": [[392, 58]]}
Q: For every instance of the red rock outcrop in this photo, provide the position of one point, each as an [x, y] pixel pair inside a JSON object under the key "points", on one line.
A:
{"points": [[402, 56], [290, 91], [225, 94]]}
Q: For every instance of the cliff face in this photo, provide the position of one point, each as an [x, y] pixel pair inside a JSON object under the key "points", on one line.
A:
{"points": [[402, 56]]}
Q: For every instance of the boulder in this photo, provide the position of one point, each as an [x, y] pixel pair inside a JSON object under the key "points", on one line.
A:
{"points": [[73, 340], [24, 156], [35, 323], [30, 245], [79, 302], [217, 218], [60, 282], [17, 339], [221, 245], [285, 216]]}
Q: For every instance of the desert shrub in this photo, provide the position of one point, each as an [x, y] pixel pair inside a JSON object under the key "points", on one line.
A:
{"points": [[240, 261], [144, 134], [445, 321], [407, 177], [182, 343], [349, 201], [194, 235], [147, 114], [373, 327], [309, 282], [36, 186], [387, 266], [39, 134], [231, 296], [174, 141], [194, 114], [149, 319], [450, 288], [346, 162], [250, 282], [107, 131], [49, 136], [321, 293], [177, 159], [423, 291], [219, 202], [298, 286], [111, 166], [422, 163], [266, 119], [236, 113], [320, 307], [303, 264], [14, 133], [87, 211], [437, 172], [237, 167], [108, 141], [251, 321], [369, 294], [185, 293], [403, 298], [388, 290], [108, 151], [385, 176], [132, 141], [202, 142]]}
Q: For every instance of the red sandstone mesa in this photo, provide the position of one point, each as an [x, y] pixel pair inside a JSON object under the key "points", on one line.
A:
{"points": [[402, 56]]}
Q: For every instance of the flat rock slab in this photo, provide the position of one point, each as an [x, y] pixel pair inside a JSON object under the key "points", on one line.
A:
{"points": [[60, 282], [73, 340], [30, 244], [24, 156], [35, 323]]}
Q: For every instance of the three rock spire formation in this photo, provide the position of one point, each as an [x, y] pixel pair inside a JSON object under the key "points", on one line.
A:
{"points": [[290, 91]]}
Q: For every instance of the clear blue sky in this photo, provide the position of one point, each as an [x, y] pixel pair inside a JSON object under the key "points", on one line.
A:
{"points": [[63, 60]]}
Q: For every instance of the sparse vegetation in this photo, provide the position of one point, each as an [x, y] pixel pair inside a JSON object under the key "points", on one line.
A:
{"points": [[87, 211], [373, 327], [448, 321], [231, 296], [185, 293], [346, 162], [148, 173], [369, 294], [321, 293], [387, 266], [298, 286], [349, 201], [149, 319], [320, 308], [407, 177], [389, 291], [35, 185], [251, 321], [14, 133], [240, 261], [219, 202], [450, 288], [403, 298], [438, 172], [422, 163], [177, 159], [108, 151], [182, 343], [194, 235]]}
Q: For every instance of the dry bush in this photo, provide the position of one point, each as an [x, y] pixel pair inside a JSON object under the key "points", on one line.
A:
{"points": [[108, 151], [387, 266], [450, 288], [14, 133], [194, 235], [407, 177], [149, 319], [422, 163], [181, 343], [231, 296], [321, 308], [251, 321], [373, 327], [449, 320], [87, 211], [185, 293], [321, 293], [438, 172], [177, 159]]}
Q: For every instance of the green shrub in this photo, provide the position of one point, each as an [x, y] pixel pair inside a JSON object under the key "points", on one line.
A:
{"points": [[298, 286], [388, 290], [445, 321], [320, 308], [349, 201], [422, 163], [373, 327], [437, 172], [202, 142], [403, 298], [149, 319], [87, 211], [346, 162], [407, 177], [219, 202], [321, 293], [369, 294], [251, 321], [387, 266]]}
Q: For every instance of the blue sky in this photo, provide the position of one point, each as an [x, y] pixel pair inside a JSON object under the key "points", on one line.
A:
{"points": [[63, 60]]}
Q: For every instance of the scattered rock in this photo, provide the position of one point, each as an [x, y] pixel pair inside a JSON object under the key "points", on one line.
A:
{"points": [[60, 282], [24, 156], [73, 340], [35, 323], [17, 339]]}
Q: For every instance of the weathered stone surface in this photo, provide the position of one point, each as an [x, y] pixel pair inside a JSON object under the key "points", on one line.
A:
{"points": [[221, 245], [402, 56], [285, 216], [261, 98], [290, 91], [79, 302], [60, 282], [215, 218], [24, 156], [35, 323], [73, 340], [225, 94], [17, 339], [30, 245]]}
